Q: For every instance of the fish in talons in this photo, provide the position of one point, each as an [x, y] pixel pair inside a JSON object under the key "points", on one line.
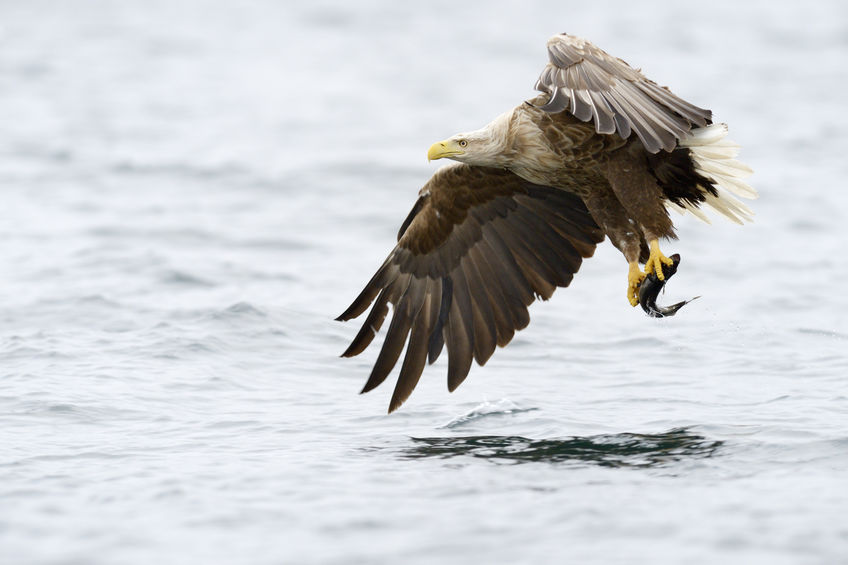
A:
{"points": [[651, 287]]}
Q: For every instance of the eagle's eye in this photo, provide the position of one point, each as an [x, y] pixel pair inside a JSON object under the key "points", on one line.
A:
{"points": [[462, 143]]}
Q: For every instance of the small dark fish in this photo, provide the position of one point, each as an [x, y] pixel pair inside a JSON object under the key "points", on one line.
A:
{"points": [[650, 290]]}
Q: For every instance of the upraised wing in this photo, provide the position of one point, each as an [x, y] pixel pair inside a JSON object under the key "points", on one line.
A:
{"points": [[593, 85], [478, 247]]}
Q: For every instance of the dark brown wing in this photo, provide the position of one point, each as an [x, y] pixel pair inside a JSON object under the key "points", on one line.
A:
{"points": [[593, 85], [478, 247]]}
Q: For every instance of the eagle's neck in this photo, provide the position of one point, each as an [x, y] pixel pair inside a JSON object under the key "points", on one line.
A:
{"points": [[496, 150], [514, 141]]}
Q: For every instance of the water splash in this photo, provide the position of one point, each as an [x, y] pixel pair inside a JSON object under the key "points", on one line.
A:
{"points": [[502, 407]]}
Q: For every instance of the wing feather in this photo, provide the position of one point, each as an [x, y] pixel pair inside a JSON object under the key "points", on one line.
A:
{"points": [[459, 341], [437, 338], [416, 351], [372, 325], [394, 342], [495, 295], [485, 328], [517, 291]]}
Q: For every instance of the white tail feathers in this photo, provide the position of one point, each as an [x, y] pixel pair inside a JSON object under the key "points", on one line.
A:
{"points": [[714, 158]]}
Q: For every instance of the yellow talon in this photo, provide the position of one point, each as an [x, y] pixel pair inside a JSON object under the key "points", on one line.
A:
{"points": [[635, 276], [656, 260]]}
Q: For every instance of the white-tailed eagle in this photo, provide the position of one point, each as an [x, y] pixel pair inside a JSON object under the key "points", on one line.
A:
{"points": [[602, 151]]}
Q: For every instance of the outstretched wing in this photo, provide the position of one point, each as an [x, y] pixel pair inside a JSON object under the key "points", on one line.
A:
{"points": [[593, 85], [478, 247]]}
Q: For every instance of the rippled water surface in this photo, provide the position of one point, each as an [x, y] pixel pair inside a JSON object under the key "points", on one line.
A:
{"points": [[192, 191]]}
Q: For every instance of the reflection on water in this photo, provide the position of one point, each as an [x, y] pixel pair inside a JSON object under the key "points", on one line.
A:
{"points": [[611, 450]]}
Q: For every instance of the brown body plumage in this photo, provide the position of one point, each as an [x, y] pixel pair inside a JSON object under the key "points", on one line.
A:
{"points": [[620, 182], [602, 151]]}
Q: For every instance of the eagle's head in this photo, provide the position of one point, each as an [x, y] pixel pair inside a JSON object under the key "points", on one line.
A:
{"points": [[464, 147], [483, 147]]}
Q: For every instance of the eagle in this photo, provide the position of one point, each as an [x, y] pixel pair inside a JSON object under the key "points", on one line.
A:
{"points": [[601, 151]]}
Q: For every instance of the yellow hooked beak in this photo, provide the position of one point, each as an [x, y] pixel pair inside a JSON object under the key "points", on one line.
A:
{"points": [[446, 148]]}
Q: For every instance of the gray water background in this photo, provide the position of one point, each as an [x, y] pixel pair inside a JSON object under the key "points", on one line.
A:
{"points": [[192, 191]]}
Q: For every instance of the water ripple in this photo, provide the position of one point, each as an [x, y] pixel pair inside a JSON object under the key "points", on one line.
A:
{"points": [[607, 450]]}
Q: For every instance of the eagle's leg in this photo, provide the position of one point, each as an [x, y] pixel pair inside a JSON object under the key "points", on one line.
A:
{"points": [[624, 234], [635, 276], [655, 261], [635, 186]]}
